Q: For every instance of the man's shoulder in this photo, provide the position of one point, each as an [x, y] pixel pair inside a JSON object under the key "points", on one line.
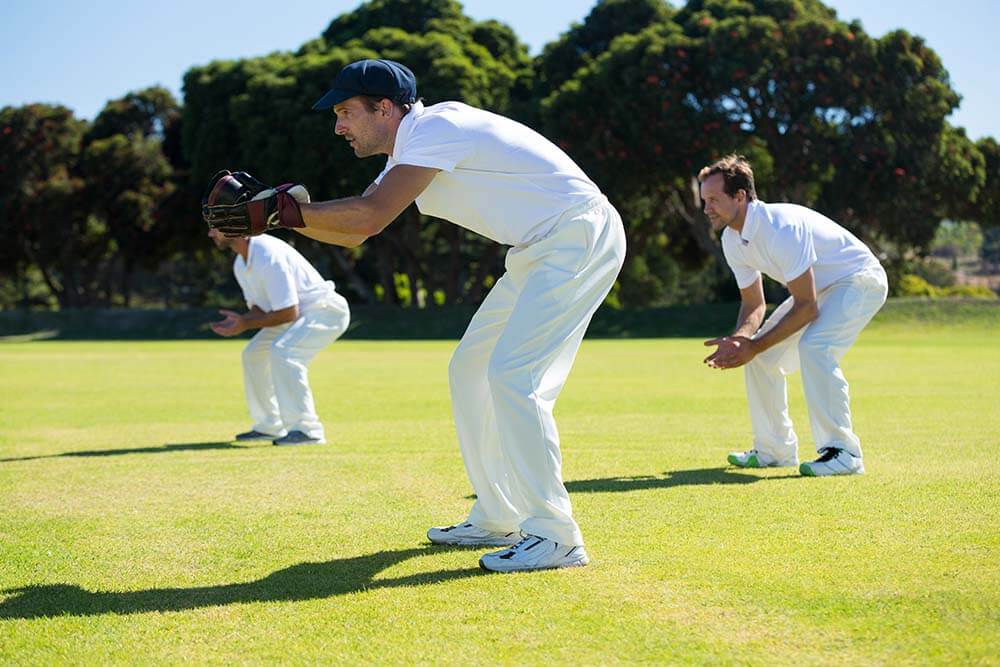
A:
{"points": [[782, 219], [267, 249], [787, 213], [445, 116], [447, 108], [268, 244]]}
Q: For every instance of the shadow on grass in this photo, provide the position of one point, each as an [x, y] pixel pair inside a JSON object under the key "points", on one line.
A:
{"points": [[305, 581], [698, 476], [177, 447]]}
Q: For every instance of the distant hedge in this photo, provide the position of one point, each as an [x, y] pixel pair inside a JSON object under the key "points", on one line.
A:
{"points": [[448, 323]]}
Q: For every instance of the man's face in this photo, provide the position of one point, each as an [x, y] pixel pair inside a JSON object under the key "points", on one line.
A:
{"points": [[721, 209], [222, 242], [364, 130]]}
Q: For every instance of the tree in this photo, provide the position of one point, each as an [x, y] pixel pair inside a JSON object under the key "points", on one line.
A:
{"points": [[987, 206], [46, 223], [830, 118], [82, 200], [255, 115]]}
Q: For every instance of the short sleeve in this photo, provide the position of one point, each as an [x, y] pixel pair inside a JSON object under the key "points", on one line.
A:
{"points": [[434, 142], [745, 274], [794, 250]]}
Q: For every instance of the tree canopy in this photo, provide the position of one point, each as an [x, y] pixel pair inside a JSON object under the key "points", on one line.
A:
{"points": [[641, 94]]}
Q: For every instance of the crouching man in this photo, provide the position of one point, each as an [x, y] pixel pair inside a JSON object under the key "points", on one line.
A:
{"points": [[836, 285], [298, 314]]}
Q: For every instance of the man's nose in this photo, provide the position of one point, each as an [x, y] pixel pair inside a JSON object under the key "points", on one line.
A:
{"points": [[338, 128]]}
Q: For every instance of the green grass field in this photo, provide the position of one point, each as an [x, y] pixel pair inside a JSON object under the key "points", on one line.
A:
{"points": [[132, 531]]}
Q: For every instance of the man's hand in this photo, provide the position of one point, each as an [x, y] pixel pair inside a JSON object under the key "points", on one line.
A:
{"points": [[732, 352], [233, 325]]}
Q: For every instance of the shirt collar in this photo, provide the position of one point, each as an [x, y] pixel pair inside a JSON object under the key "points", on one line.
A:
{"points": [[405, 127], [755, 210], [250, 247]]}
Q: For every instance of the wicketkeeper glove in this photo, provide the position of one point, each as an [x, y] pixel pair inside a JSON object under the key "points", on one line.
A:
{"points": [[237, 204]]}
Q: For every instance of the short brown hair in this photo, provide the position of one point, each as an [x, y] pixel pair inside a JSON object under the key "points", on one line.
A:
{"points": [[372, 103], [736, 173]]}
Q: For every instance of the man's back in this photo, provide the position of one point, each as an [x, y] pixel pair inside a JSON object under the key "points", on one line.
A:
{"points": [[498, 177], [783, 240], [277, 276]]}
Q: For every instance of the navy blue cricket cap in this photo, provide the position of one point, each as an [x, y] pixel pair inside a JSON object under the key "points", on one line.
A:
{"points": [[377, 78]]}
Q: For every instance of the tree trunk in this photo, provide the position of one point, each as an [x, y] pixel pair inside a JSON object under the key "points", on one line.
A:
{"points": [[346, 268]]}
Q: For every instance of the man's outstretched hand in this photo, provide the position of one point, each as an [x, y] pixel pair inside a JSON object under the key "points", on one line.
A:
{"points": [[231, 326], [732, 352]]}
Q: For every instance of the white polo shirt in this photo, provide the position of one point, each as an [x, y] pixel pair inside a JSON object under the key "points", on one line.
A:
{"points": [[276, 276], [784, 240], [498, 177]]}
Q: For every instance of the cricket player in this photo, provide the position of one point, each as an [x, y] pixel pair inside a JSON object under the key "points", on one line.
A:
{"points": [[506, 182], [836, 285], [298, 314]]}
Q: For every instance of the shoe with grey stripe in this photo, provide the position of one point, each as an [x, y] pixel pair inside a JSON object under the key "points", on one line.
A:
{"points": [[534, 553], [298, 438], [464, 534], [833, 461]]}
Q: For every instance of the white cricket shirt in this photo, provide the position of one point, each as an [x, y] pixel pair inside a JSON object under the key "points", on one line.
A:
{"points": [[498, 177], [276, 276], [784, 240]]}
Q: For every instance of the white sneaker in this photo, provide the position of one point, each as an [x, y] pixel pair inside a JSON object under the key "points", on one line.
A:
{"points": [[754, 459], [466, 535], [534, 553], [833, 461]]}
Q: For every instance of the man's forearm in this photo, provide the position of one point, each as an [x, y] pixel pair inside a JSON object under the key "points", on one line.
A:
{"points": [[343, 221], [799, 316], [256, 318], [749, 320], [333, 238]]}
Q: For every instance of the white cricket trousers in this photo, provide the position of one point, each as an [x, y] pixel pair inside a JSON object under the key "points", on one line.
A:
{"points": [[845, 307], [275, 374], [512, 363]]}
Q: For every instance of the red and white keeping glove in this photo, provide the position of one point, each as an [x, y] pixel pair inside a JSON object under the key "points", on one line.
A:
{"points": [[237, 204]]}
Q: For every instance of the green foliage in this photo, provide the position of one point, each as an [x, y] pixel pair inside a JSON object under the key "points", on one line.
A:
{"points": [[81, 202], [583, 43], [254, 115], [986, 209], [640, 94], [913, 285], [834, 119], [969, 291], [44, 221]]}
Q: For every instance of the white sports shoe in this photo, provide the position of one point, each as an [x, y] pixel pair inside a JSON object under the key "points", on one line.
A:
{"points": [[466, 535], [833, 461], [754, 459], [534, 553]]}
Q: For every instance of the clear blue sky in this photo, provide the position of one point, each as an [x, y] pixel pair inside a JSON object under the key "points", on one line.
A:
{"points": [[81, 54]]}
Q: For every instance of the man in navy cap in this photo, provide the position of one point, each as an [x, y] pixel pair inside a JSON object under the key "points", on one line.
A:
{"points": [[504, 181]]}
